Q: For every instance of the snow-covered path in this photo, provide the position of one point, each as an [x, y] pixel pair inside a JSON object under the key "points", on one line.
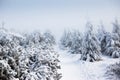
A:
{"points": [[74, 69]]}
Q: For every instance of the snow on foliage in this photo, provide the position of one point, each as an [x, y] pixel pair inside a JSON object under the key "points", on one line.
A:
{"points": [[87, 45], [113, 72], [72, 40], [28, 57], [66, 40], [90, 45], [76, 47], [101, 35], [49, 38], [91, 49], [9, 55], [110, 42]]}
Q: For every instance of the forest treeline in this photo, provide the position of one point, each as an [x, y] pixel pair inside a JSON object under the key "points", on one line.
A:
{"points": [[93, 45], [31, 56]]}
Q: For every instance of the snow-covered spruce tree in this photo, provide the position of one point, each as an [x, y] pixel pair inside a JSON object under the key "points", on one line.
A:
{"points": [[66, 40], [49, 38], [116, 38], [109, 46], [101, 35], [9, 55], [91, 49], [76, 47], [116, 28], [32, 38], [39, 62], [106, 41], [112, 42]]}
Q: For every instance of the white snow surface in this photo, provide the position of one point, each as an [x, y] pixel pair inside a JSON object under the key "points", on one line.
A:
{"points": [[74, 69]]}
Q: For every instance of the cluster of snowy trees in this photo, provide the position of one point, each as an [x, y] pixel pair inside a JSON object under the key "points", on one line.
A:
{"points": [[92, 45], [110, 42], [28, 56], [72, 41]]}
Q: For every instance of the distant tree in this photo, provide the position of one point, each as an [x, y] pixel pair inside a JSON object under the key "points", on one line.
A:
{"points": [[116, 33], [33, 38], [49, 39], [105, 39], [116, 28], [66, 40], [91, 49], [76, 47], [101, 35]]}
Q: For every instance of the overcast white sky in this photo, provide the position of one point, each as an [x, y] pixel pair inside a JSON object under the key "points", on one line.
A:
{"points": [[57, 15]]}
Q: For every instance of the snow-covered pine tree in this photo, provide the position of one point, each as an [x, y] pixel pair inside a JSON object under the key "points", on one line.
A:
{"points": [[76, 47], [49, 38], [91, 49], [112, 40], [101, 35], [106, 41], [116, 28], [109, 44], [66, 40], [9, 55], [33, 38], [116, 33]]}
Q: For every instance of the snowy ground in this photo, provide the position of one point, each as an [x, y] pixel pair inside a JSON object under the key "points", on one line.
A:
{"points": [[74, 69]]}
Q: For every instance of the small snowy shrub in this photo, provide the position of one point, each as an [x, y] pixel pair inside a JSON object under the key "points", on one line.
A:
{"points": [[113, 72]]}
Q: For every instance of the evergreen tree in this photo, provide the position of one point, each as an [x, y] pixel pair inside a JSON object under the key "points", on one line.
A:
{"points": [[91, 49], [76, 47], [112, 40], [49, 38], [9, 55], [116, 28], [66, 40], [101, 35]]}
